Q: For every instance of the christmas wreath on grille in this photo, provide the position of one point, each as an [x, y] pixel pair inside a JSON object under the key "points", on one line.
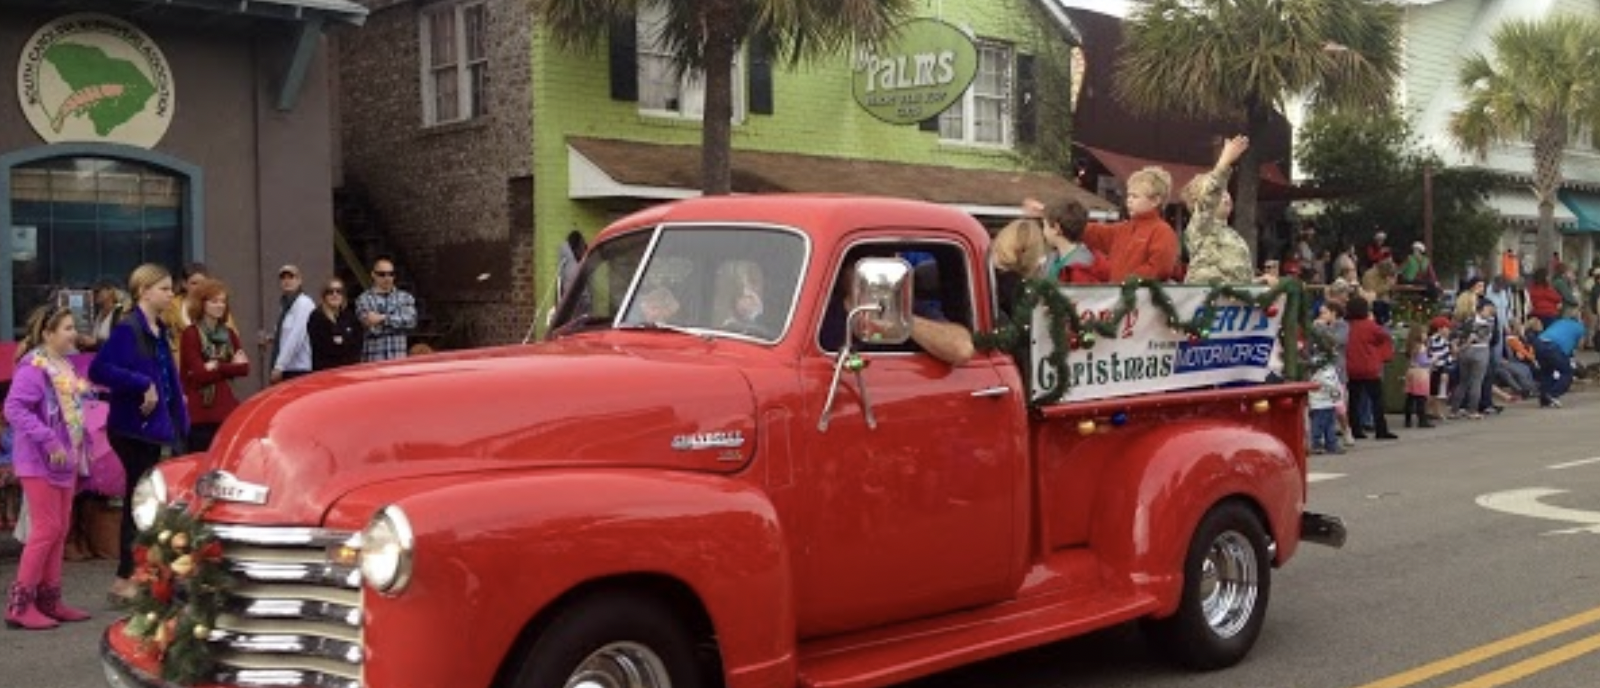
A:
{"points": [[182, 586]]}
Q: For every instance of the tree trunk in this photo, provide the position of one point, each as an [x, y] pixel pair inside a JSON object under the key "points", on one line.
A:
{"points": [[716, 134], [1245, 208], [1548, 146]]}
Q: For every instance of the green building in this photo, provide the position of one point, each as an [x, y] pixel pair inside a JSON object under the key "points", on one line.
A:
{"points": [[617, 129]]}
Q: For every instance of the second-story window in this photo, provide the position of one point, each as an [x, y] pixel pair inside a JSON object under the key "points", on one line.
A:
{"points": [[983, 115], [455, 63], [662, 89]]}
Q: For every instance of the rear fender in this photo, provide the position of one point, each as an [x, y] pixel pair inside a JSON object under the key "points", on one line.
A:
{"points": [[491, 554], [1155, 493]]}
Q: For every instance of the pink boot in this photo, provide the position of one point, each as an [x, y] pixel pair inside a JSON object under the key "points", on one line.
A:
{"points": [[20, 612], [48, 600]]}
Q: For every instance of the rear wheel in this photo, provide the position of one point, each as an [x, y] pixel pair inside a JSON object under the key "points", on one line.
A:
{"points": [[613, 640], [1227, 580]]}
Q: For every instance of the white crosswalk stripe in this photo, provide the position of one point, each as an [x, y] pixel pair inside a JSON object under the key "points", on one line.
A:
{"points": [[1315, 477], [1574, 464]]}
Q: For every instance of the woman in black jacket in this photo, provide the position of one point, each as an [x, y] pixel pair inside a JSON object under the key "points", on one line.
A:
{"points": [[334, 330]]}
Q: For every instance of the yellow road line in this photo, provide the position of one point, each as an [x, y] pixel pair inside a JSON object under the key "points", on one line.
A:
{"points": [[1486, 652], [1534, 665]]}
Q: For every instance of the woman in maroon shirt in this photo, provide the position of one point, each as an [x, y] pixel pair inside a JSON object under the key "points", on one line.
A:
{"points": [[1369, 347], [1544, 302], [211, 357]]}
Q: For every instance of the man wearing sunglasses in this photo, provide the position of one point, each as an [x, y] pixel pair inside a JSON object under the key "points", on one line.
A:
{"points": [[388, 313]]}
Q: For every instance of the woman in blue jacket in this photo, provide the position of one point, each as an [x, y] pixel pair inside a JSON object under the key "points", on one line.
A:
{"points": [[147, 413]]}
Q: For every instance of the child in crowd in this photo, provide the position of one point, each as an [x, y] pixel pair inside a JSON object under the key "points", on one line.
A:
{"points": [[1442, 355], [1419, 377], [1329, 394], [1331, 324]]}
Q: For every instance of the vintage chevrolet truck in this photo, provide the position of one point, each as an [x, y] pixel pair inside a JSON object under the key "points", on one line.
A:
{"points": [[732, 464]]}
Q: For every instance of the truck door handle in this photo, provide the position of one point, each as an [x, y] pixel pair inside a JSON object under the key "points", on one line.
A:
{"points": [[996, 391]]}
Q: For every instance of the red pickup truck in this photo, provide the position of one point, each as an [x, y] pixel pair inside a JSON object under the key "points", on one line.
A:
{"points": [[731, 464]]}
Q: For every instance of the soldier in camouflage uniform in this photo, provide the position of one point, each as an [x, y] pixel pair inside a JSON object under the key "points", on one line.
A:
{"points": [[1216, 251]]}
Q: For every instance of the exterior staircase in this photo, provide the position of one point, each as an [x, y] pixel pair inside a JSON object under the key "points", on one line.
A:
{"points": [[359, 238]]}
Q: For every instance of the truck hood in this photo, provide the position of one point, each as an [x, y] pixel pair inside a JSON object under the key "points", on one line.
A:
{"points": [[566, 403]]}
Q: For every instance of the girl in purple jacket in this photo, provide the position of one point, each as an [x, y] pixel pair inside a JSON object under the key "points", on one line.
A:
{"points": [[45, 406]]}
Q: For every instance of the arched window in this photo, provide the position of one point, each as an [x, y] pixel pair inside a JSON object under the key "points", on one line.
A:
{"points": [[79, 220]]}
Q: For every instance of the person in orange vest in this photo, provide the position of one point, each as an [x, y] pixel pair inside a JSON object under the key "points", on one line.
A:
{"points": [[1509, 266]]}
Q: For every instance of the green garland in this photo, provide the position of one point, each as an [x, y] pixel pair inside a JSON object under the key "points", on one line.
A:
{"points": [[182, 587], [1063, 317]]}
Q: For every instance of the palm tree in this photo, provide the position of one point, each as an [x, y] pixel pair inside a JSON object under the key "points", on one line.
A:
{"points": [[1543, 86], [706, 35], [1245, 58]]}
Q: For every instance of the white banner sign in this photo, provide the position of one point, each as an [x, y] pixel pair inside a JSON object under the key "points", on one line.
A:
{"points": [[1149, 356]]}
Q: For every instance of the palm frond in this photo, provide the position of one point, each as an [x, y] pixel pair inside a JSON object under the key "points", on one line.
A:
{"points": [[1214, 57], [582, 24]]}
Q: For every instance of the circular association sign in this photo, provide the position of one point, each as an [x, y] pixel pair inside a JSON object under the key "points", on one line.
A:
{"points": [[94, 78]]}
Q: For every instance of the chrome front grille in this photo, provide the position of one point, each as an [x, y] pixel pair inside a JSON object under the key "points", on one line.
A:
{"points": [[294, 617]]}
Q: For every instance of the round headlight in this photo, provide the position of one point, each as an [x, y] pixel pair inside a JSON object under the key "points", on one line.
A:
{"points": [[148, 497], [386, 549]]}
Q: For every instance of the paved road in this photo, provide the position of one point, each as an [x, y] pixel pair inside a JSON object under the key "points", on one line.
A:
{"points": [[1459, 574]]}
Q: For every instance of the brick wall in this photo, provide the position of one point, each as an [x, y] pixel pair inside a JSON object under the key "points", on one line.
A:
{"points": [[443, 194]]}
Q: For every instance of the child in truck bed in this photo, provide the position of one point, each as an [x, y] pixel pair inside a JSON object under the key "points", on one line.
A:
{"points": [[1070, 261]]}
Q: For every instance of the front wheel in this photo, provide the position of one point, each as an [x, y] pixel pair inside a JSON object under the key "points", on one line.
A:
{"points": [[1227, 579], [620, 640]]}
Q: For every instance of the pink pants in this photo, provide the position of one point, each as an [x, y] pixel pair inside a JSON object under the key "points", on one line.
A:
{"points": [[49, 519]]}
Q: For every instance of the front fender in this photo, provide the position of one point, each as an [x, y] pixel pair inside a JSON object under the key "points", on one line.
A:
{"points": [[1156, 492], [493, 553]]}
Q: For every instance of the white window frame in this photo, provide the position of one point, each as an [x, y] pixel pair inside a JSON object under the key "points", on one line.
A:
{"points": [[463, 66], [968, 105], [691, 85]]}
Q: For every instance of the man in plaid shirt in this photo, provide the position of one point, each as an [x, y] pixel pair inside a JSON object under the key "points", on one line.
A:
{"points": [[387, 313]]}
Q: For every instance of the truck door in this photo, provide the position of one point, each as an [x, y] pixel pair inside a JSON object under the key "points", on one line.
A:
{"points": [[922, 514]]}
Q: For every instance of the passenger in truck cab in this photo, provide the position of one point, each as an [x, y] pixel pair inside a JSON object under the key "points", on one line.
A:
{"points": [[937, 311]]}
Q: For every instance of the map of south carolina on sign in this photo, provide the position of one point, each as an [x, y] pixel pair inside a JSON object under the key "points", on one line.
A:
{"points": [[109, 91], [94, 78]]}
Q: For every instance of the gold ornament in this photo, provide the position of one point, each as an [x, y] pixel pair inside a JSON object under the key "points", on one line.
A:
{"points": [[201, 632], [1262, 406], [164, 537], [180, 542], [150, 617], [1086, 427], [183, 565], [161, 635]]}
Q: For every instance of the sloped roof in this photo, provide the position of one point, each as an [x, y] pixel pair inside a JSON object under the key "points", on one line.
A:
{"points": [[667, 167]]}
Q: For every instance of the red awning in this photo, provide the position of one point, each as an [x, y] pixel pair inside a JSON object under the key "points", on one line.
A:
{"points": [[1274, 185]]}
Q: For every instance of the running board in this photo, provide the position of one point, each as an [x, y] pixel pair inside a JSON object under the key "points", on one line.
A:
{"points": [[900, 653]]}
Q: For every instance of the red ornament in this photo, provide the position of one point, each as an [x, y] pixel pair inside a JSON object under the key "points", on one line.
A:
{"points": [[141, 556], [1272, 311], [212, 551], [161, 590], [1194, 338]]}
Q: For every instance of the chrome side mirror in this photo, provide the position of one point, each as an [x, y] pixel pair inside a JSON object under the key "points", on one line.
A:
{"points": [[880, 301]]}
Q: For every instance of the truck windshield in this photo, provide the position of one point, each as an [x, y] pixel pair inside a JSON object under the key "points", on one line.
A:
{"points": [[715, 280]]}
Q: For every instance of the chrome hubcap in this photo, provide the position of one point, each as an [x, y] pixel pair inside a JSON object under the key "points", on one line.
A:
{"points": [[1228, 585], [621, 665]]}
